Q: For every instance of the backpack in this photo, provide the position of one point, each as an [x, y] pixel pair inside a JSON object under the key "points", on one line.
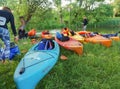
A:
{"points": [[58, 35], [14, 50]]}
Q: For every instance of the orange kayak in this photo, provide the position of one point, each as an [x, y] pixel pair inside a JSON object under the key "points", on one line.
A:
{"points": [[84, 33], [46, 35], [71, 44], [96, 38], [99, 39], [116, 38]]}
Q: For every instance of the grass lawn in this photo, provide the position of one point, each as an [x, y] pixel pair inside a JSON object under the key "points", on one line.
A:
{"points": [[97, 68]]}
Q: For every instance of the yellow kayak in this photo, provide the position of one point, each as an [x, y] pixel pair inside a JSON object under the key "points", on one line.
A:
{"points": [[77, 37], [115, 38]]}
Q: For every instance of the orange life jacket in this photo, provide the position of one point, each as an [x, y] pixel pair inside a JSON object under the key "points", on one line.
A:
{"points": [[32, 32], [65, 32]]}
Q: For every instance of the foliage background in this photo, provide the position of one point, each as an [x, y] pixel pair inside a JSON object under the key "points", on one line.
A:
{"points": [[51, 14]]}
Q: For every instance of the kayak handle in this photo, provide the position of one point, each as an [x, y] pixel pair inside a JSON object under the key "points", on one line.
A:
{"points": [[22, 70]]}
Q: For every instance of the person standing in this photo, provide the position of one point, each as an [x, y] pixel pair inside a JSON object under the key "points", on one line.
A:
{"points": [[85, 22], [6, 16]]}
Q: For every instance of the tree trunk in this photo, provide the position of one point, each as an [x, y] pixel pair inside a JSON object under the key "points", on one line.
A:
{"points": [[61, 18]]}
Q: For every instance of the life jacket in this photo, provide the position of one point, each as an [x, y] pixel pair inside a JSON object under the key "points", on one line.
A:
{"points": [[71, 33], [32, 32], [65, 32]]}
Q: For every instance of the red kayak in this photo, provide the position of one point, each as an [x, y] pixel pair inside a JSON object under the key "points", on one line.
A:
{"points": [[71, 44]]}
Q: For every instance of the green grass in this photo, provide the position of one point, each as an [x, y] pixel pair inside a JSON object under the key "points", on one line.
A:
{"points": [[97, 68]]}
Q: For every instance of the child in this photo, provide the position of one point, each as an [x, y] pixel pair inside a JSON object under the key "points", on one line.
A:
{"points": [[21, 31]]}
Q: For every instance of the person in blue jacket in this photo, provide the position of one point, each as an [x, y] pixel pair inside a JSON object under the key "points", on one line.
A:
{"points": [[6, 17]]}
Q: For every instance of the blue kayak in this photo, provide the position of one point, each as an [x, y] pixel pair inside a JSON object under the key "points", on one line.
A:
{"points": [[34, 66]]}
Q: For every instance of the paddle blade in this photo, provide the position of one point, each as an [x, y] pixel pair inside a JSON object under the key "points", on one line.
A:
{"points": [[63, 57]]}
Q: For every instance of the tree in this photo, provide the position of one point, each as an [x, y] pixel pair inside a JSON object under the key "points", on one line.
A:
{"points": [[33, 5], [27, 8], [58, 4], [116, 8]]}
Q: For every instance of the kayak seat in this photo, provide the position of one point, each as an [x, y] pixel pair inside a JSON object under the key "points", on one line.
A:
{"points": [[45, 44]]}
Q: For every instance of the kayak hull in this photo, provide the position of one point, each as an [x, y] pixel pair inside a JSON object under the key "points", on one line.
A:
{"points": [[36, 64], [99, 39], [96, 39], [115, 38], [71, 44]]}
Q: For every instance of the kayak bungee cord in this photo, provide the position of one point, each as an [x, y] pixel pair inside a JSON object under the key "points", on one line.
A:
{"points": [[22, 70], [39, 62]]}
